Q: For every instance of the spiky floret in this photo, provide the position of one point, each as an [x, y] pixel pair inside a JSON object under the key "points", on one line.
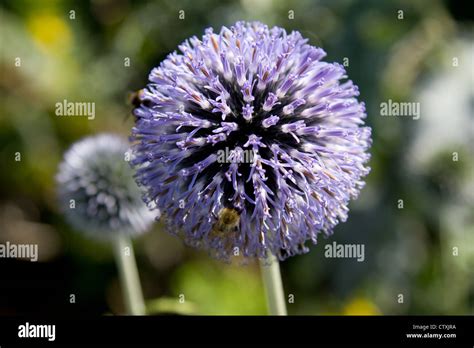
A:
{"points": [[97, 191], [259, 90]]}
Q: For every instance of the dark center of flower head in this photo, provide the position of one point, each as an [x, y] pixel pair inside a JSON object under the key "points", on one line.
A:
{"points": [[253, 90], [257, 134]]}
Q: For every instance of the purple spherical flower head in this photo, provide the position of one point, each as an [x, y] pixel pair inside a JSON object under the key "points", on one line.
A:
{"points": [[249, 143]]}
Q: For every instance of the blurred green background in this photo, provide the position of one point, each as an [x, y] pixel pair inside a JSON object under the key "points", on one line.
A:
{"points": [[424, 251]]}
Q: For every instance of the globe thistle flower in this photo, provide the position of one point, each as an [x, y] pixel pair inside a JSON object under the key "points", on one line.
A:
{"points": [[97, 191], [250, 89]]}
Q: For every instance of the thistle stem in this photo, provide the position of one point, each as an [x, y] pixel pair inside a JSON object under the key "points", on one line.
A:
{"points": [[128, 273], [270, 270]]}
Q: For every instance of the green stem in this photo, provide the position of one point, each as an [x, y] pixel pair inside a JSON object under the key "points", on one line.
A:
{"points": [[128, 272], [270, 270]]}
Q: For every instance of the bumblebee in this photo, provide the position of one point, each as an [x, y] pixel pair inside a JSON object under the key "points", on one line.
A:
{"points": [[134, 98], [226, 227], [228, 221]]}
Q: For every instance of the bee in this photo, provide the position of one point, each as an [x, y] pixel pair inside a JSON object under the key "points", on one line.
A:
{"points": [[134, 99], [226, 227], [228, 220]]}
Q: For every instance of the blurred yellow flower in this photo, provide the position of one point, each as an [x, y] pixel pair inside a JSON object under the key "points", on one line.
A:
{"points": [[361, 306], [49, 31]]}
